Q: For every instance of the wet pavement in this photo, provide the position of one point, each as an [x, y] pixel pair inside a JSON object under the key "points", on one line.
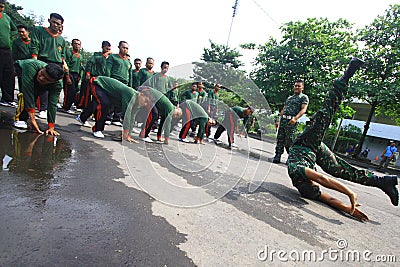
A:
{"points": [[81, 201], [59, 207]]}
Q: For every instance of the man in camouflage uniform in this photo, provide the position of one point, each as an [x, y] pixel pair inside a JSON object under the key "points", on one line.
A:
{"points": [[308, 150], [295, 106]]}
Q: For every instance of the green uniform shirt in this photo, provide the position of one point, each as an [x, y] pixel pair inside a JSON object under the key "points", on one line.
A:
{"points": [[165, 109], [30, 68], [7, 28], [47, 46], [173, 95], [135, 79], [213, 97], [119, 93], [119, 68], [196, 110], [199, 115], [96, 65], [188, 94], [201, 97], [293, 104], [160, 82], [74, 61], [21, 49], [163, 105], [144, 75]]}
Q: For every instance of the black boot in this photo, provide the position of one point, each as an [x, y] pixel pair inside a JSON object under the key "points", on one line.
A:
{"points": [[388, 185], [354, 65], [277, 159]]}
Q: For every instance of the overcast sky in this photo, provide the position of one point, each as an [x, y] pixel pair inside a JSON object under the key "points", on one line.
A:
{"points": [[178, 30]]}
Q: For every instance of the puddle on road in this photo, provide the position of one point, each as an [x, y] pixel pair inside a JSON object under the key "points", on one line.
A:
{"points": [[29, 160]]}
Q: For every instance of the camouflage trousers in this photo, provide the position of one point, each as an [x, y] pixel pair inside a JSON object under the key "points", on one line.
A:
{"points": [[286, 135], [309, 150]]}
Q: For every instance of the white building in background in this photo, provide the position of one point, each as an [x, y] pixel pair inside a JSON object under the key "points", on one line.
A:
{"points": [[378, 137]]}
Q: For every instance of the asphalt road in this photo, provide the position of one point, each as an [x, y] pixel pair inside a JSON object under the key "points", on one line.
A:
{"points": [[81, 201]]}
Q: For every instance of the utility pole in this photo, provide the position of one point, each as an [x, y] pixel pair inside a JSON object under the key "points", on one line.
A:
{"points": [[235, 6]]}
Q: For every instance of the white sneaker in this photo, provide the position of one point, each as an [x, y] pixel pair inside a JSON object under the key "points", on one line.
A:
{"points": [[85, 124], [6, 160], [117, 123], [233, 145], [135, 131], [42, 114], [20, 124], [98, 134], [184, 140], [69, 111], [172, 134], [59, 105], [107, 123], [147, 139]]}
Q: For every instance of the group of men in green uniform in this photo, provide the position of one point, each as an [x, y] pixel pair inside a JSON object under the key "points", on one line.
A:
{"points": [[110, 80]]}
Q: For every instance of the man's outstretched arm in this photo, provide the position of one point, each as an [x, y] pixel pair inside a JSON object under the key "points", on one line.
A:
{"points": [[337, 204]]}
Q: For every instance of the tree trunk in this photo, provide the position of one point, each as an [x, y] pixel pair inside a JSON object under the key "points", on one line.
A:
{"points": [[366, 127], [337, 135]]}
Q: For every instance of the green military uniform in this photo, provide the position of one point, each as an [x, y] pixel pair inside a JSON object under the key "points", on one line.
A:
{"points": [[173, 96], [308, 149], [7, 82], [191, 111], [31, 89], [119, 68], [144, 75], [120, 94], [96, 65], [106, 92], [160, 82], [201, 97], [229, 123], [165, 109], [46, 46], [74, 62], [21, 49], [287, 132], [212, 101], [189, 95], [135, 78]]}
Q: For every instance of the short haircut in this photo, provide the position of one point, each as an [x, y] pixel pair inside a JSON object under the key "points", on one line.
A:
{"points": [[164, 63], [75, 40], [149, 58], [21, 26], [299, 81], [122, 42], [137, 59], [55, 71], [105, 43], [57, 16]]}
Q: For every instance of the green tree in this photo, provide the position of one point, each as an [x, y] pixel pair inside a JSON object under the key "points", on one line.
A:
{"points": [[316, 51], [380, 85], [222, 54], [12, 10]]}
